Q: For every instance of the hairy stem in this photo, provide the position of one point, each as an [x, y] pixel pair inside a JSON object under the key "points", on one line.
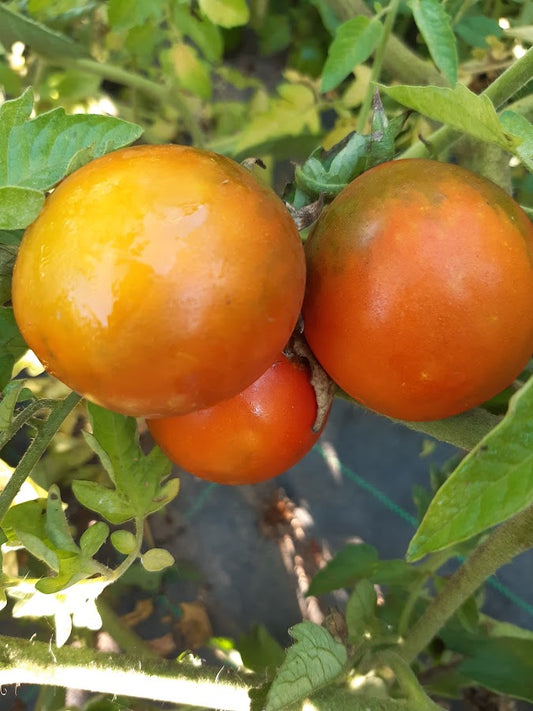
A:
{"points": [[377, 64], [37, 448], [499, 548], [27, 662]]}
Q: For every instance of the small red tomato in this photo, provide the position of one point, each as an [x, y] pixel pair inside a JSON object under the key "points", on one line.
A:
{"points": [[251, 437]]}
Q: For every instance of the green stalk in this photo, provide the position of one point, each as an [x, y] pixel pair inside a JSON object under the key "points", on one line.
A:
{"points": [[24, 417], [377, 64], [31, 662], [499, 92], [514, 536], [407, 681], [36, 450]]}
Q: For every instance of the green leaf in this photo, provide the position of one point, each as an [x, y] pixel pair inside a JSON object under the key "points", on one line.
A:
{"points": [[360, 611], [260, 652], [19, 206], [42, 40], [117, 436], [9, 243], [192, 73], [474, 30], [12, 345], [164, 496], [109, 503], [71, 570], [435, 27], [327, 173], [123, 541], [353, 562], [35, 545], [10, 397], [397, 573], [123, 14], [156, 559], [14, 112], [503, 665], [354, 42], [93, 538], [492, 483], [460, 108], [40, 152], [518, 125], [226, 13], [288, 120], [204, 33], [56, 525], [312, 662], [137, 477]]}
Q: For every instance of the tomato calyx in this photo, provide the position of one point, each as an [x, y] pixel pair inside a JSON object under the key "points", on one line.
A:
{"points": [[324, 387], [306, 215]]}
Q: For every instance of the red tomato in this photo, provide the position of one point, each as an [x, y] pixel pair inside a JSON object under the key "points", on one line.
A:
{"points": [[419, 297], [253, 436]]}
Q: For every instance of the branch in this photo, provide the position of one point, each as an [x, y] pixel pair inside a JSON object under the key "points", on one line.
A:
{"points": [[514, 536], [26, 662]]}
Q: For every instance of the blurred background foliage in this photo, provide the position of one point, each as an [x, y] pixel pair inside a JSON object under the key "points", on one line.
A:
{"points": [[245, 78]]}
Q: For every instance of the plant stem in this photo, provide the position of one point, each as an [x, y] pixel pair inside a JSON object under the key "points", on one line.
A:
{"points": [[131, 557], [433, 563], [26, 662], [500, 91], [377, 64], [23, 417], [59, 412], [514, 536], [407, 681]]}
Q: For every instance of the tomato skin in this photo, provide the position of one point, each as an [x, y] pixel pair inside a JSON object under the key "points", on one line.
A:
{"points": [[419, 297], [254, 436], [159, 279]]}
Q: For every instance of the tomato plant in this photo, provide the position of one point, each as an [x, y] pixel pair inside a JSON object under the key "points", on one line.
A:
{"points": [[419, 297], [159, 279], [254, 436]]}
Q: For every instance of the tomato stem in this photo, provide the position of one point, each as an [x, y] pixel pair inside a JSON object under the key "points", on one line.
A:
{"points": [[58, 414], [514, 536], [377, 64]]}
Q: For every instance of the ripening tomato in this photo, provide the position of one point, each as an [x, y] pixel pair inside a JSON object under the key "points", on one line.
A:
{"points": [[159, 279], [254, 436], [419, 299]]}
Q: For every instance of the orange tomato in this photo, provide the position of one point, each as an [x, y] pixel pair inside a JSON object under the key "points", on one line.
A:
{"points": [[159, 279], [253, 436], [419, 299]]}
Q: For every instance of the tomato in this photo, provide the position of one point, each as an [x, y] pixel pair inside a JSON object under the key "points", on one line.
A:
{"points": [[251, 437], [159, 279], [419, 299]]}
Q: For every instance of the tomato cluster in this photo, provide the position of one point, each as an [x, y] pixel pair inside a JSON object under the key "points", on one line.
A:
{"points": [[164, 282]]}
